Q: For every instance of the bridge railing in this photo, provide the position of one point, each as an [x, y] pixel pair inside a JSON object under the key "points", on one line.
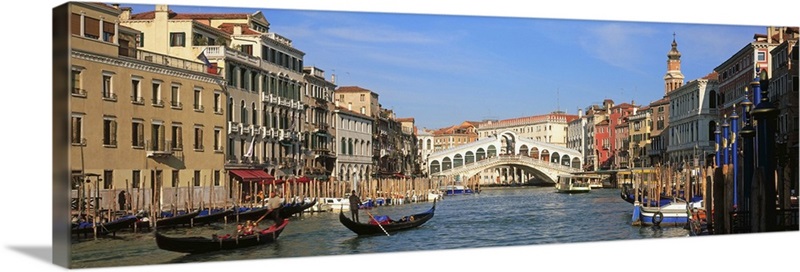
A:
{"points": [[507, 159]]}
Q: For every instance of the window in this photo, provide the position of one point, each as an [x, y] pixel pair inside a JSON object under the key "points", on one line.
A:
{"points": [[196, 177], [216, 177], [77, 129], [91, 28], [109, 131], [136, 92], [247, 49], [108, 32], [141, 39], [77, 88], [175, 179], [108, 92], [108, 178], [341, 97], [157, 94], [198, 138], [217, 139], [198, 39], [363, 96], [177, 39], [137, 133], [363, 110], [217, 102], [197, 102], [175, 97], [136, 177], [177, 137], [157, 137], [762, 56]]}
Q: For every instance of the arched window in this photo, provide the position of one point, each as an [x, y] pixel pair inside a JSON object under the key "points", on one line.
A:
{"points": [[230, 109], [243, 113], [428, 144], [344, 146], [446, 164], [458, 160], [350, 147], [255, 113], [435, 167], [469, 157]]}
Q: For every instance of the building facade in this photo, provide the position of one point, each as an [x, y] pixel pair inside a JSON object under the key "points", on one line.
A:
{"points": [[318, 132], [354, 146], [124, 130], [549, 128], [692, 122]]}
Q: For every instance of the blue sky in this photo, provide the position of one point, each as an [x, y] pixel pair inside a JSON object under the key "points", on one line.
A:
{"points": [[445, 69]]}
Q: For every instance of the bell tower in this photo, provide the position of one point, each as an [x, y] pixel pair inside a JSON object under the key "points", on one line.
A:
{"points": [[674, 78]]}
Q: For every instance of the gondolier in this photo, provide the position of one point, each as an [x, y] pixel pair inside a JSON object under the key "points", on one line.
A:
{"points": [[354, 201], [274, 205]]}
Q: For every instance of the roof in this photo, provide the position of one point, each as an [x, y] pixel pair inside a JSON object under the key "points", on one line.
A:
{"points": [[354, 113], [351, 89], [408, 119], [662, 101], [246, 30], [712, 76], [193, 16]]}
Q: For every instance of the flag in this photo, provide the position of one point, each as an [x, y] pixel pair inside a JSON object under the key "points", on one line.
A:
{"points": [[250, 150], [202, 57]]}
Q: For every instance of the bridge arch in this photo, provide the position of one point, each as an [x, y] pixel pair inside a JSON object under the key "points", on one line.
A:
{"points": [[509, 153]]}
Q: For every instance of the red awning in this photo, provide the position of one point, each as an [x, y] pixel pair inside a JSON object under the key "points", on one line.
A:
{"points": [[252, 175], [303, 179]]}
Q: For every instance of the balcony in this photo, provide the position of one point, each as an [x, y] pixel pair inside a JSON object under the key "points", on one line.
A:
{"points": [[157, 102], [137, 100], [158, 148], [199, 108], [172, 61], [176, 105], [110, 97], [78, 92]]}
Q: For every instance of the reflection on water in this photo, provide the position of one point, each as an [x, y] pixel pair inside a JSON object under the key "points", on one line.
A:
{"points": [[497, 217]]}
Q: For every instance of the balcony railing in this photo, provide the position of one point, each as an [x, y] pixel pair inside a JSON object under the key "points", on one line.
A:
{"points": [[199, 108], [171, 61], [110, 96], [158, 148], [176, 104], [78, 92], [157, 102], [137, 100]]}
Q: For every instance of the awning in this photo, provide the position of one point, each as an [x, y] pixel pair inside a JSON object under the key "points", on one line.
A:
{"points": [[252, 175]]}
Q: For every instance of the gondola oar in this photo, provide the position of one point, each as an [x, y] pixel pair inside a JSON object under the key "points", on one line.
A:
{"points": [[376, 221]]}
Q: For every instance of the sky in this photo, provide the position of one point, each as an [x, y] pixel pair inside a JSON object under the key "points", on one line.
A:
{"points": [[446, 69], [31, 139]]}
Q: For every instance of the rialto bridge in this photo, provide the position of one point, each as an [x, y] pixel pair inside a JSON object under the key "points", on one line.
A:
{"points": [[505, 158]]}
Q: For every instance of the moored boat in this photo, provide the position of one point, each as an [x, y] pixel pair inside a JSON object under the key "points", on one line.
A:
{"points": [[105, 228], [208, 216], [169, 219], [456, 190], [571, 184]]}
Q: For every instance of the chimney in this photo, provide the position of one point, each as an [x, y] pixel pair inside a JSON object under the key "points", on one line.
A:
{"points": [[333, 78], [116, 6], [162, 13], [126, 14], [237, 30]]}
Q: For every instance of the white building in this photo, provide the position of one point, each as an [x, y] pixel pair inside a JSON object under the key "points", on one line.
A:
{"points": [[353, 146], [425, 148], [548, 128], [692, 120]]}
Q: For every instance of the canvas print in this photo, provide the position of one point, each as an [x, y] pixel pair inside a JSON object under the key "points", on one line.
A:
{"points": [[206, 134]]}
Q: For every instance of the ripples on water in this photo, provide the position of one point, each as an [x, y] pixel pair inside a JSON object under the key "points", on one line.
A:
{"points": [[496, 217]]}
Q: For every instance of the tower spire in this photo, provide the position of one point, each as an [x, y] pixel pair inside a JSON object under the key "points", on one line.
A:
{"points": [[674, 78]]}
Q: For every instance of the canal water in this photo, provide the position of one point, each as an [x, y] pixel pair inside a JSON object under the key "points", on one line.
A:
{"points": [[493, 218]]}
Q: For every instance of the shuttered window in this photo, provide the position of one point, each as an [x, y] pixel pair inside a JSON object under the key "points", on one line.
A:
{"points": [[91, 27], [108, 32], [75, 24]]}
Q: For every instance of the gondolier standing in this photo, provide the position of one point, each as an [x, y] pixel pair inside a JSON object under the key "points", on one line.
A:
{"points": [[354, 201], [121, 198], [274, 205]]}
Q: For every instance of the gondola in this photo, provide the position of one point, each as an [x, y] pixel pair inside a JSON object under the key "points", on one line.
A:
{"points": [[252, 214], [210, 216], [288, 211], [388, 225], [176, 220], [193, 245], [111, 227]]}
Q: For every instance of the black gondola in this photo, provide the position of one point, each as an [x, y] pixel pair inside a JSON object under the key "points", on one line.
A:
{"points": [[288, 211], [193, 245], [176, 220], [208, 217], [104, 228], [252, 214], [372, 228]]}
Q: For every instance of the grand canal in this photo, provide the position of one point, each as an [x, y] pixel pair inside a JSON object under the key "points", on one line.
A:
{"points": [[493, 218]]}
